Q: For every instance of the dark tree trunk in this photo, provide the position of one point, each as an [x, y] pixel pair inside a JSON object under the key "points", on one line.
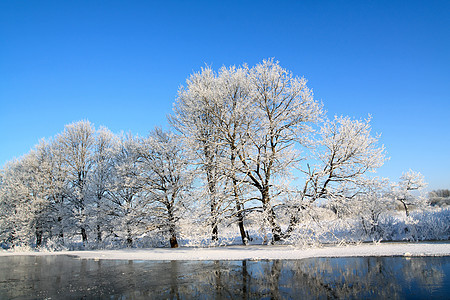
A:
{"points": [[99, 234], [270, 215], [215, 232], [276, 230], [211, 178], [129, 239], [239, 205], [240, 215], [173, 241], [39, 234], [60, 219], [84, 235], [99, 231], [61, 231], [244, 235], [406, 207], [173, 237], [215, 229]]}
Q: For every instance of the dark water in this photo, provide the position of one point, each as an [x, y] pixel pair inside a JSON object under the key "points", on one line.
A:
{"points": [[64, 277]]}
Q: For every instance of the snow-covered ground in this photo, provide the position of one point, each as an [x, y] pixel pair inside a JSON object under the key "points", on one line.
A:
{"points": [[258, 252]]}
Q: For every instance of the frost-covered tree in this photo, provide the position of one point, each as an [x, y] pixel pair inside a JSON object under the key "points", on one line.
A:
{"points": [[245, 124], [31, 194], [128, 204], [233, 121], [27, 200], [371, 202], [38, 164], [344, 153], [283, 111], [77, 143], [100, 180], [166, 178], [14, 227], [58, 190], [194, 118], [404, 190]]}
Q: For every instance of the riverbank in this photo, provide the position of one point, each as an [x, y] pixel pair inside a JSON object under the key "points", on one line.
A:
{"points": [[258, 252]]}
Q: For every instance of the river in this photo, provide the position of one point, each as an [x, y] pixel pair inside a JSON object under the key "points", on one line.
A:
{"points": [[66, 277]]}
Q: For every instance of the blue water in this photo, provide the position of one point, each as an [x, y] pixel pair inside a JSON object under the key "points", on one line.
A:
{"points": [[64, 277]]}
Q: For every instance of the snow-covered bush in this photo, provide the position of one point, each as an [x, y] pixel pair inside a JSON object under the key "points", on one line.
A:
{"points": [[53, 244]]}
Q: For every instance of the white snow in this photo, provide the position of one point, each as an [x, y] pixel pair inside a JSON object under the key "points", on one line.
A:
{"points": [[258, 252]]}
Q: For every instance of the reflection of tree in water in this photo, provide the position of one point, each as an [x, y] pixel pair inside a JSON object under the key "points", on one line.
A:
{"points": [[372, 277], [430, 274], [348, 278]]}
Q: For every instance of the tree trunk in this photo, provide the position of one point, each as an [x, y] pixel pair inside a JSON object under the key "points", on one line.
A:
{"points": [[406, 207], [61, 230], [239, 205], [39, 234], [99, 231], [83, 219], [129, 242], [173, 241], [84, 235], [293, 221], [99, 234], [129, 238], [244, 235], [60, 220], [215, 230], [276, 230], [210, 172], [240, 215], [173, 237], [270, 216]]}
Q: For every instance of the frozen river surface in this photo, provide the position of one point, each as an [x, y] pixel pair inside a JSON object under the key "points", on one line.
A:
{"points": [[66, 277]]}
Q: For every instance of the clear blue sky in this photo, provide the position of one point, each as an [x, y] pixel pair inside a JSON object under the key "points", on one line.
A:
{"points": [[120, 63]]}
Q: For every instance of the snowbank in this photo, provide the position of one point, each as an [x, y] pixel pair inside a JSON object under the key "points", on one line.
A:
{"points": [[258, 252]]}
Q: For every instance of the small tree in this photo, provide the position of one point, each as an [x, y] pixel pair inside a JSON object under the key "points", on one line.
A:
{"points": [[345, 152], [370, 204], [404, 190]]}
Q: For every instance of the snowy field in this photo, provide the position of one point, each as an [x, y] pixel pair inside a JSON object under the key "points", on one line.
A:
{"points": [[258, 252]]}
